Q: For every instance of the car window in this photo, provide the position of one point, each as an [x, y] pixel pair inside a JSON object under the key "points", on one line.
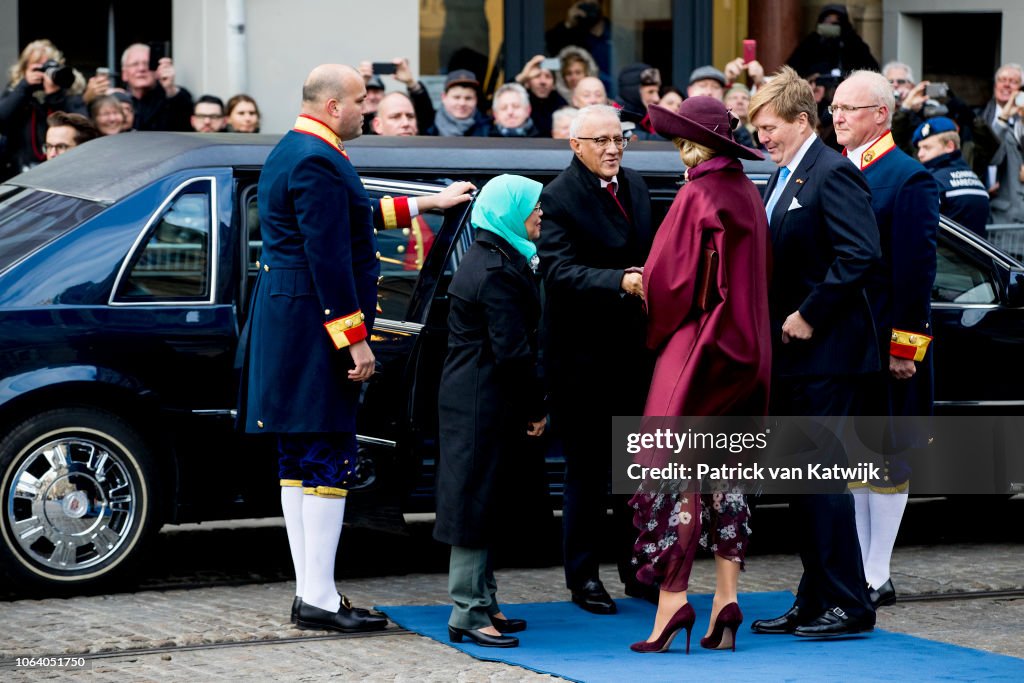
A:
{"points": [[31, 218], [172, 263], [960, 279]]}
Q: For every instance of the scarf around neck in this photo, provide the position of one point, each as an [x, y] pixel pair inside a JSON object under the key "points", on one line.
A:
{"points": [[449, 126]]}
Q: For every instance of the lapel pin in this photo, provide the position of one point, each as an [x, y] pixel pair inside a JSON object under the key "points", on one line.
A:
{"points": [[799, 181]]}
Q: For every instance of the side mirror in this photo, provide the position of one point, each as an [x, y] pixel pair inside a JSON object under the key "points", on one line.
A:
{"points": [[1015, 289]]}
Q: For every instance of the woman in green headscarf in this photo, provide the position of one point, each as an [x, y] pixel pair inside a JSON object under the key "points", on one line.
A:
{"points": [[491, 398]]}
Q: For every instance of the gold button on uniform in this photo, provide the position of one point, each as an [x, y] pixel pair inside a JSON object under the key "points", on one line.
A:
{"points": [[257, 265], [327, 311], [259, 423], [266, 268], [348, 323], [400, 249], [405, 231], [378, 256]]}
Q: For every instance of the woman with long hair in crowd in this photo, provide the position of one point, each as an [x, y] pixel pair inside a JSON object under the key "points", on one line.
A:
{"points": [[706, 289], [243, 116], [106, 112], [31, 96]]}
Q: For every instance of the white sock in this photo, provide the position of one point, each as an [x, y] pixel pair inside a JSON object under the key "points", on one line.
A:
{"points": [[862, 513], [291, 505], [886, 514], [322, 521]]}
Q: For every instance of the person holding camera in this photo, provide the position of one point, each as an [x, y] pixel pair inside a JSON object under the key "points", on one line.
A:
{"points": [[587, 27], [159, 102], [40, 84]]}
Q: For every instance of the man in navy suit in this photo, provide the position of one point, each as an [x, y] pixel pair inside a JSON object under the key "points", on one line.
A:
{"points": [[905, 198], [825, 245]]}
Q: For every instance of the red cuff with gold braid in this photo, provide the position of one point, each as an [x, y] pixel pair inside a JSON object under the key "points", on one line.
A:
{"points": [[347, 330], [909, 345], [395, 212]]}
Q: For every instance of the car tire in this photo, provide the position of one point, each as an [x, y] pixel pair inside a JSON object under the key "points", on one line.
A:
{"points": [[79, 498]]}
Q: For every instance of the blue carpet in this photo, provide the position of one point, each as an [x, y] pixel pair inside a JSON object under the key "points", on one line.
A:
{"points": [[565, 641]]}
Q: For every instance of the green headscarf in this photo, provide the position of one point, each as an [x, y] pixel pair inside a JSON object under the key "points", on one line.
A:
{"points": [[503, 206]]}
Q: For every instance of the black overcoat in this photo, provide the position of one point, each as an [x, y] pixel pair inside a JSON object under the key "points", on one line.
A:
{"points": [[595, 352], [490, 386]]}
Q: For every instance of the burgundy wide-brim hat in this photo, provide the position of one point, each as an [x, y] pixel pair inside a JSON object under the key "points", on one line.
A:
{"points": [[704, 120]]}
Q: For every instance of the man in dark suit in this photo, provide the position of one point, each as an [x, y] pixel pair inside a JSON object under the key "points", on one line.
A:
{"points": [[825, 244], [597, 233], [905, 198]]}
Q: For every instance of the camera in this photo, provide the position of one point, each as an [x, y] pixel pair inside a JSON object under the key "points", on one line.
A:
{"points": [[62, 76]]}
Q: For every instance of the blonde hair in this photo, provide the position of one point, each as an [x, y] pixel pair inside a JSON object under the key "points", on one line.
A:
{"points": [[47, 48], [693, 153], [949, 136], [788, 95]]}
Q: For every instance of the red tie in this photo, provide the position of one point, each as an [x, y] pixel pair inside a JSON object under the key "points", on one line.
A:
{"points": [[611, 190]]}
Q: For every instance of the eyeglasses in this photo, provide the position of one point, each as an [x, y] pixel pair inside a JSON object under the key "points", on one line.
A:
{"points": [[603, 142], [59, 148], [898, 81], [849, 108]]}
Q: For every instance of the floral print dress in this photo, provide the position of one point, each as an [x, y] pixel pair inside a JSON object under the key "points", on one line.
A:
{"points": [[672, 522]]}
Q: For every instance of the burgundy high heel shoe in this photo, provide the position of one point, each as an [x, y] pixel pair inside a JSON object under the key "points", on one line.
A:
{"points": [[723, 635], [683, 618]]}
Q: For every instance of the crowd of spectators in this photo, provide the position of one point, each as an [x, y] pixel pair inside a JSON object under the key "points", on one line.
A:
{"points": [[49, 107], [538, 101]]}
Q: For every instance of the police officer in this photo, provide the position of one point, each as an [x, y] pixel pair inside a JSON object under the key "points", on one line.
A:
{"points": [[962, 195]]}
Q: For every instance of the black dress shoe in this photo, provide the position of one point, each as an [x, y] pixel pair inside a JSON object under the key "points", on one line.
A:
{"points": [[344, 601], [834, 622], [883, 596], [345, 620], [787, 623], [508, 625], [594, 598], [456, 635]]}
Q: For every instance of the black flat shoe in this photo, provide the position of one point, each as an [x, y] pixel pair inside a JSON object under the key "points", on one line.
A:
{"points": [[786, 623], [344, 601], [508, 625], [883, 596], [834, 622], [594, 598], [345, 620], [482, 639]]}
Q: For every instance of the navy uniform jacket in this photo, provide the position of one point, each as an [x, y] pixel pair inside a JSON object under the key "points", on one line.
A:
{"points": [[905, 199], [824, 245], [317, 289], [962, 195]]}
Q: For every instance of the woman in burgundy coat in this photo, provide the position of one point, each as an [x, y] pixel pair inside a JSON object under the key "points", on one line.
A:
{"points": [[708, 323]]}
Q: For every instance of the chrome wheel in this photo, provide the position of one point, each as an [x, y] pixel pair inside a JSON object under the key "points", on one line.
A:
{"points": [[71, 504], [76, 496]]}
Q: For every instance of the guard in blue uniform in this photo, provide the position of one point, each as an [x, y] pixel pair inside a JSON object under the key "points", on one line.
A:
{"points": [[307, 352], [962, 195], [905, 200]]}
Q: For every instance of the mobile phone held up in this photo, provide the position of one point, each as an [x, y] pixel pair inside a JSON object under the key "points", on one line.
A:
{"points": [[552, 64], [749, 51], [936, 91], [157, 51], [384, 68]]}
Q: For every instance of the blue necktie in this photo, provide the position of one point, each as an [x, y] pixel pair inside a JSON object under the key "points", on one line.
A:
{"points": [[777, 192]]}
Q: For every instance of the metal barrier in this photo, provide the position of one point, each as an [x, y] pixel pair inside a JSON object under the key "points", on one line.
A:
{"points": [[1007, 236]]}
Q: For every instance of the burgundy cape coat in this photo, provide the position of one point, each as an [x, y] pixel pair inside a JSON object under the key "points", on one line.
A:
{"points": [[715, 362]]}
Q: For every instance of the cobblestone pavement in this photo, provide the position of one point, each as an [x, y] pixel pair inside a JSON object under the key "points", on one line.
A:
{"points": [[114, 629]]}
